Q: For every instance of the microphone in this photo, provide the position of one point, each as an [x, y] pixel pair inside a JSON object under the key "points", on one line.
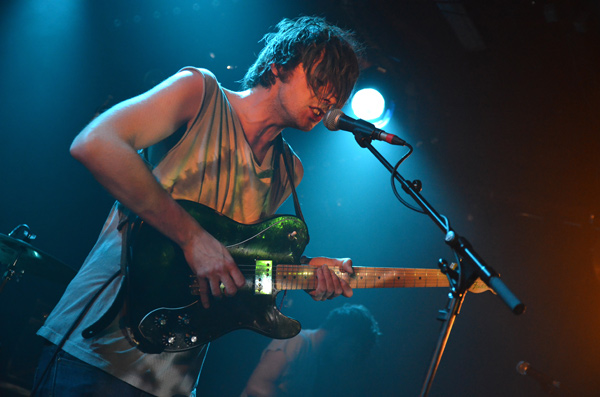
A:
{"points": [[547, 383], [335, 120]]}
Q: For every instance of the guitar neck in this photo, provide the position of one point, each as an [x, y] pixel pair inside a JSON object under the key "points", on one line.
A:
{"points": [[292, 277]]}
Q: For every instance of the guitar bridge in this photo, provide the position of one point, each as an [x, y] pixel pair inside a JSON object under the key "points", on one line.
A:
{"points": [[263, 280]]}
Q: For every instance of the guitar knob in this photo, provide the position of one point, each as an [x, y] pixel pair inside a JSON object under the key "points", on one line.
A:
{"points": [[184, 319], [169, 339], [292, 236], [160, 320], [191, 339]]}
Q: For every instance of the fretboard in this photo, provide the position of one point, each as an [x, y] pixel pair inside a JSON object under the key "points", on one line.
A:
{"points": [[290, 277]]}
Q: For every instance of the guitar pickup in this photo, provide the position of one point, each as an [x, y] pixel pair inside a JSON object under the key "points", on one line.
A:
{"points": [[263, 277]]}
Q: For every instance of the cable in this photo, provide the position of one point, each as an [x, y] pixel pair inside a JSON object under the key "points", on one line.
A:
{"points": [[393, 180], [70, 331]]}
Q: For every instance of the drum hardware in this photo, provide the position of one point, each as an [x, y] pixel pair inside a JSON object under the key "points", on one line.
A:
{"points": [[41, 280], [20, 258]]}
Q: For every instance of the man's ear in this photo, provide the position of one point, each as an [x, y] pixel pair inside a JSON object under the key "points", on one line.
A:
{"points": [[274, 70]]}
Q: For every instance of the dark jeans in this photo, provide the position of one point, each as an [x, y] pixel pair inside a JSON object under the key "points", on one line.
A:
{"points": [[68, 376]]}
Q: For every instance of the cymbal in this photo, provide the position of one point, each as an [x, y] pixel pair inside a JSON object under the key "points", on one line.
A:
{"points": [[32, 261]]}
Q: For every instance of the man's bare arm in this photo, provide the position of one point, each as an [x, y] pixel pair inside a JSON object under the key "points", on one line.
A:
{"points": [[108, 148]]}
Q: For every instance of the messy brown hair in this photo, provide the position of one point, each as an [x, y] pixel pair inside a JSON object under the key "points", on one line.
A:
{"points": [[328, 54]]}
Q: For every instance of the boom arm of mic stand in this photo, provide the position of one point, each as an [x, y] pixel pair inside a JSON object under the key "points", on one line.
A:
{"points": [[456, 242]]}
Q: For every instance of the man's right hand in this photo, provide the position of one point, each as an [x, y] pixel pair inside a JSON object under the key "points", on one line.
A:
{"points": [[213, 266]]}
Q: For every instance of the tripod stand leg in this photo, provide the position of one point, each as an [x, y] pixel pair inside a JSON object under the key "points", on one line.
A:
{"points": [[448, 318]]}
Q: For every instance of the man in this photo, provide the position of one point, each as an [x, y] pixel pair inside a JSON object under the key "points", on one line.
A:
{"points": [[322, 361], [227, 158]]}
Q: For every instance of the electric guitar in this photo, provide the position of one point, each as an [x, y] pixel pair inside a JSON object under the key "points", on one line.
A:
{"points": [[164, 310]]}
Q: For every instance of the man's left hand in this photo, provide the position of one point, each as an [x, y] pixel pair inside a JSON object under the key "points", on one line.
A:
{"points": [[329, 285]]}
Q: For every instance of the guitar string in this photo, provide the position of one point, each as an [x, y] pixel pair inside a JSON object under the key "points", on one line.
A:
{"points": [[364, 272], [368, 277], [256, 235]]}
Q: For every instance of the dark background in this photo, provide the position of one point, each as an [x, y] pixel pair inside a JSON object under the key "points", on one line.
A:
{"points": [[499, 98]]}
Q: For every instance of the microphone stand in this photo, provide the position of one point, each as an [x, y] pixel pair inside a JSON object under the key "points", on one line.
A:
{"points": [[472, 266]]}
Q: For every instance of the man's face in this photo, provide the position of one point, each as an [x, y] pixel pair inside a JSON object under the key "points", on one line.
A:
{"points": [[301, 106]]}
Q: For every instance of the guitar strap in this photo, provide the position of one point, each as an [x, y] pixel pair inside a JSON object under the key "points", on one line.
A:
{"points": [[125, 226], [288, 161]]}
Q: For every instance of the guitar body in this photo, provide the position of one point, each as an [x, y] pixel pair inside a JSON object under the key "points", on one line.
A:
{"points": [[163, 312]]}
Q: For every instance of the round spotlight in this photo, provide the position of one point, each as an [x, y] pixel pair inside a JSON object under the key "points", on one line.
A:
{"points": [[368, 104]]}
